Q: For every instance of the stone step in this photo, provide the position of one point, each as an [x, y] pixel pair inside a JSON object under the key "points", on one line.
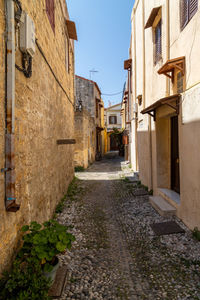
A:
{"points": [[162, 206], [170, 196]]}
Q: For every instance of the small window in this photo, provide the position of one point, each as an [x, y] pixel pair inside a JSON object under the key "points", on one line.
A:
{"points": [[112, 119], [67, 54], [158, 43], [179, 82], [188, 9], [50, 9], [97, 108]]}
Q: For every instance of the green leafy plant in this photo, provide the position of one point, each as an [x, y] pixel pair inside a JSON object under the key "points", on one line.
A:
{"points": [[43, 242], [79, 169], [24, 282], [151, 192], [196, 233], [60, 206]]}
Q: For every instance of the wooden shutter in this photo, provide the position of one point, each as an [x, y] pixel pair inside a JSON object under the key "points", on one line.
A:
{"points": [[158, 42], [193, 7], [50, 8]]}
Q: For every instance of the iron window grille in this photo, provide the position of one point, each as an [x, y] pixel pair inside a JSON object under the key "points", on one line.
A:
{"points": [[158, 42]]}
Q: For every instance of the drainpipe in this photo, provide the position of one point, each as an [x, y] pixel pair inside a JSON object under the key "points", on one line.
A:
{"points": [[167, 46], [144, 57], [135, 87], [10, 200]]}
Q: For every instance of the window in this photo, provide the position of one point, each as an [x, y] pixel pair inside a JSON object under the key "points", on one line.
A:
{"points": [[112, 119], [158, 43], [50, 9], [97, 108], [188, 8], [67, 54], [179, 82]]}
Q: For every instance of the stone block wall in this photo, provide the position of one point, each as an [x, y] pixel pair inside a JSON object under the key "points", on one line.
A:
{"points": [[85, 92], [85, 139], [44, 113]]}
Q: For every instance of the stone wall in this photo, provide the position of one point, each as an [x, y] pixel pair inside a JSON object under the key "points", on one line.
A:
{"points": [[85, 139], [44, 112], [85, 93]]}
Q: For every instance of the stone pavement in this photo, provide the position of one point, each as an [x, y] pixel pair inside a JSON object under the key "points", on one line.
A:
{"points": [[116, 254]]}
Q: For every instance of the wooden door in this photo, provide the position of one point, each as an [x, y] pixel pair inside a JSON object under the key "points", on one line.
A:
{"points": [[113, 143], [175, 177]]}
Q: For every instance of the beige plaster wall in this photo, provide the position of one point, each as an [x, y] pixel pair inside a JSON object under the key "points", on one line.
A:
{"points": [[182, 43], [43, 114]]}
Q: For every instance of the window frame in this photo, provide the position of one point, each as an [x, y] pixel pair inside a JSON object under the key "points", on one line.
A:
{"points": [[187, 10], [156, 22], [97, 108], [115, 120], [50, 10], [157, 42], [67, 57]]}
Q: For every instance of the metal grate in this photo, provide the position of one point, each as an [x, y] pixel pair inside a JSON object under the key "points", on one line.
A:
{"points": [[165, 228], [158, 42]]}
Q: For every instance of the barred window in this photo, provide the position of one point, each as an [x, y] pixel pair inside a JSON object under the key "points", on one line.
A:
{"points": [[67, 54], [179, 82], [188, 9], [50, 9], [112, 119], [158, 42]]}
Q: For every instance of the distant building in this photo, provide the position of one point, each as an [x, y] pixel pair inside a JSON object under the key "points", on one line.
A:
{"points": [[89, 122], [112, 120]]}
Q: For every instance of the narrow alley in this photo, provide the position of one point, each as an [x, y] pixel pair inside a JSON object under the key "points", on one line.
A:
{"points": [[116, 254]]}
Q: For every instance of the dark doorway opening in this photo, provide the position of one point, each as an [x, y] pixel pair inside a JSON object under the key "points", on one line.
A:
{"points": [[175, 175], [113, 143]]}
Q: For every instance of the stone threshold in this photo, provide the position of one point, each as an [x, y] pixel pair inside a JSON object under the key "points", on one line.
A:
{"points": [[162, 206], [171, 196]]}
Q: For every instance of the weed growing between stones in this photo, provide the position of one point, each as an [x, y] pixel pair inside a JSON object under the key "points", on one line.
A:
{"points": [[79, 169], [196, 234], [73, 192]]}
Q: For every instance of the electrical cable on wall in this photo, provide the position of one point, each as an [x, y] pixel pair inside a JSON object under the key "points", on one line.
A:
{"points": [[26, 65]]}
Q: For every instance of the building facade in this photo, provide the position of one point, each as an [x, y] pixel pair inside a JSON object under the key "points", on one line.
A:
{"points": [[37, 114], [113, 119], [165, 84], [89, 122]]}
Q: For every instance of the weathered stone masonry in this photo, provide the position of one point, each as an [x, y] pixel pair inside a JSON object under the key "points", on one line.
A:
{"points": [[44, 113]]}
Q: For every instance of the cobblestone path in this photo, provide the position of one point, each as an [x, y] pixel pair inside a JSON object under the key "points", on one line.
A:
{"points": [[116, 254]]}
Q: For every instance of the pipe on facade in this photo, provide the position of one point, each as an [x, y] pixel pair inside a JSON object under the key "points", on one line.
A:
{"points": [[143, 53], [10, 200], [167, 45], [135, 87]]}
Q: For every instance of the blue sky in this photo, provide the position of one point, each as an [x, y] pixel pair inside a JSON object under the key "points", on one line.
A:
{"points": [[104, 30]]}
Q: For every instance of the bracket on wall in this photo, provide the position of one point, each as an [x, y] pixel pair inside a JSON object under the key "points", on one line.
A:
{"points": [[169, 101], [171, 65], [153, 114], [175, 107], [12, 206]]}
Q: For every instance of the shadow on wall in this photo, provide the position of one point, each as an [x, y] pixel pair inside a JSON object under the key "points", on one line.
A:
{"points": [[189, 162]]}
